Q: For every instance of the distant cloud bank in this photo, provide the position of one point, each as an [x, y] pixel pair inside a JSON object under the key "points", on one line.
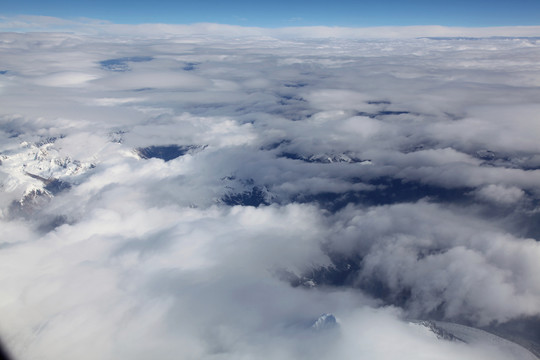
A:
{"points": [[29, 23]]}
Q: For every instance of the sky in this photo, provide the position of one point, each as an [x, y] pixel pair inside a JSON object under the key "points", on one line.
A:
{"points": [[282, 13]]}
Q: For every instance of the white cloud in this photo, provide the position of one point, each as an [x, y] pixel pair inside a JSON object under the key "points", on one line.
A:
{"points": [[152, 80], [65, 79], [500, 194], [407, 168], [96, 26]]}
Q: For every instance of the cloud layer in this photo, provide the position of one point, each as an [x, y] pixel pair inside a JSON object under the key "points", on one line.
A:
{"points": [[211, 197]]}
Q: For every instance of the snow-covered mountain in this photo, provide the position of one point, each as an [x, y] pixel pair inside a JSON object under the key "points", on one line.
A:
{"points": [[475, 337], [33, 172]]}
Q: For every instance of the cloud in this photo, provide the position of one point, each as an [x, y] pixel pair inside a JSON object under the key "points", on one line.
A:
{"points": [[381, 182], [65, 79], [152, 80], [86, 26], [440, 268], [500, 195]]}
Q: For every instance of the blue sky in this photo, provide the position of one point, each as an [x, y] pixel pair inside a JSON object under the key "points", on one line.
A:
{"points": [[279, 13]]}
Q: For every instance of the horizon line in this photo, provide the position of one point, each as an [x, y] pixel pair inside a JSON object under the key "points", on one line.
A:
{"points": [[91, 26]]}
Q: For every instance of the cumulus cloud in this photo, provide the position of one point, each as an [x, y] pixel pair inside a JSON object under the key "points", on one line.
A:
{"points": [[203, 196], [465, 272], [500, 194]]}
